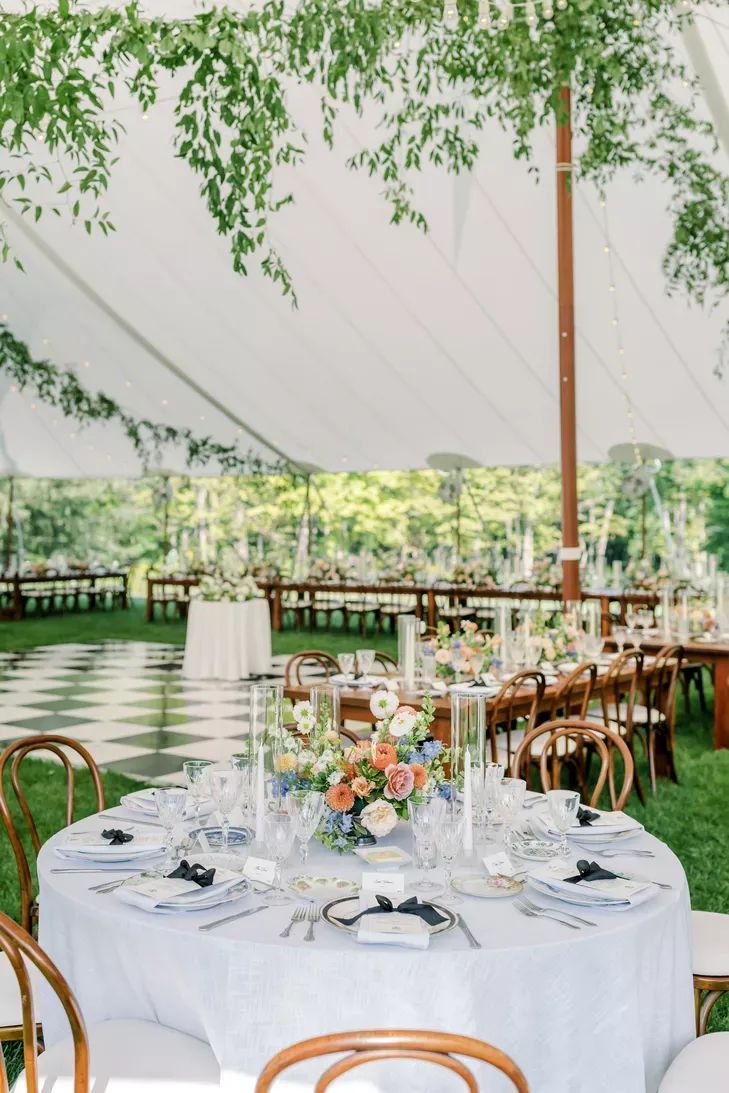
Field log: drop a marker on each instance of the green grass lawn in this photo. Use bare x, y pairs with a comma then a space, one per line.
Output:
692, 817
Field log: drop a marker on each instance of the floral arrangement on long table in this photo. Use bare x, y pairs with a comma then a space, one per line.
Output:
220, 586
464, 652
553, 640
366, 786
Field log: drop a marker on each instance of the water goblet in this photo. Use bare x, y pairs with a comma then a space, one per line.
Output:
365, 661
278, 833
592, 646
171, 804
449, 840
246, 767
563, 805
425, 816
196, 775
620, 633
225, 790
477, 663
305, 807
634, 637
346, 663
510, 800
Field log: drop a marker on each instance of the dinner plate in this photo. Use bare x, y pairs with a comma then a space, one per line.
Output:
530, 848
349, 907
237, 836
365, 681
577, 899
312, 887
483, 887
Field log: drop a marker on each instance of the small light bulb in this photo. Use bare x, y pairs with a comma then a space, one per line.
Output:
561, 5
606, 249
530, 13
13, 388
450, 14
507, 12
87, 364
614, 322
164, 401
484, 14
547, 9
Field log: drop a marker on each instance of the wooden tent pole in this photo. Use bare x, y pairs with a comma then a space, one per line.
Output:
570, 553
9, 524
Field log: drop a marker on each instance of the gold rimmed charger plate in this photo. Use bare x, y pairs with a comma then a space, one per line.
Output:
348, 907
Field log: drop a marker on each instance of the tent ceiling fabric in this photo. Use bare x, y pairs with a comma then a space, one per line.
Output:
403, 344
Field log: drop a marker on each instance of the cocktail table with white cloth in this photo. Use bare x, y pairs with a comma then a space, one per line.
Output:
596, 1010
227, 640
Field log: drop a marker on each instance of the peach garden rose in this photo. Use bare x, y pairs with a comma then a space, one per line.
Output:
400, 781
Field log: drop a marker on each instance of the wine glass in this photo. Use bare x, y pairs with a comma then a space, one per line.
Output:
592, 646
449, 840
196, 774
346, 663
477, 663
425, 817
246, 767
563, 805
510, 799
427, 662
278, 833
171, 804
305, 807
493, 774
225, 790
620, 634
365, 661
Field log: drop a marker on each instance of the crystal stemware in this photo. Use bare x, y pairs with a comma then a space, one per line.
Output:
425, 817
563, 805
510, 800
592, 646
346, 663
278, 833
365, 661
196, 775
305, 807
171, 804
225, 790
449, 840
620, 634
246, 767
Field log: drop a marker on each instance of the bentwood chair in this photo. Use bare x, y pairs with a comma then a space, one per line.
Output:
573, 694
437, 1048
701, 1067
311, 663
710, 947
582, 734
386, 662
519, 698
618, 698
115, 1056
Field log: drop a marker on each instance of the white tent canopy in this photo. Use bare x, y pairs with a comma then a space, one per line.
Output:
403, 344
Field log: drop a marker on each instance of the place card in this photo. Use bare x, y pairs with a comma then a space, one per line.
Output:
383, 884
499, 865
260, 869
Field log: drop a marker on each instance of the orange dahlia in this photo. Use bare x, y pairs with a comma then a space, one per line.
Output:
384, 755
420, 774
339, 798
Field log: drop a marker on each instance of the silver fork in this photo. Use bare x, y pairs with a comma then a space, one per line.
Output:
627, 853
313, 915
540, 914
565, 914
299, 915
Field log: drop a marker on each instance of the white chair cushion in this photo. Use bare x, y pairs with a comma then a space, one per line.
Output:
702, 1066
710, 936
640, 713
563, 744
10, 1010
132, 1057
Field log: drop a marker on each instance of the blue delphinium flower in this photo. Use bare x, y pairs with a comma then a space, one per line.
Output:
430, 749
445, 790
346, 822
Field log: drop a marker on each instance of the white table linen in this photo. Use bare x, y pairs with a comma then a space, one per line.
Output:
596, 1011
227, 640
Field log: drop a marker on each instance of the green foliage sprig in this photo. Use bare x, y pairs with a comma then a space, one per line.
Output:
431, 90
60, 387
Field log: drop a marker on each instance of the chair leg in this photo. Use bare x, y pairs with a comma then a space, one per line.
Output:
699, 678
686, 697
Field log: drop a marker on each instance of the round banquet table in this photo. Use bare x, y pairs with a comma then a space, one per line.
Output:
227, 640
599, 1010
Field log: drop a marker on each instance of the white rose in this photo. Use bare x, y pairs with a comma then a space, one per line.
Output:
379, 818
306, 757
335, 777
302, 710
402, 724
384, 704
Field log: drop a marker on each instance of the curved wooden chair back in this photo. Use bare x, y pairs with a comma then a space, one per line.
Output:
388, 663
569, 695
662, 683
310, 658
10, 761
22, 950
438, 1048
586, 734
619, 688
509, 704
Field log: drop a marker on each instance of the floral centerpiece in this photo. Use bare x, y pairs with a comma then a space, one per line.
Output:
547, 574
322, 569
551, 641
643, 576
466, 652
228, 587
366, 786
475, 573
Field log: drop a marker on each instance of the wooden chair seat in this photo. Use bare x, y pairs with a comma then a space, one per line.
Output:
701, 1067
564, 745
131, 1054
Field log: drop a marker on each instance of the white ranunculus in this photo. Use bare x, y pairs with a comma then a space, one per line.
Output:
335, 777
379, 818
402, 724
302, 710
384, 704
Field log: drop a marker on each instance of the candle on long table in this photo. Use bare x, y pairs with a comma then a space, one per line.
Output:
467, 805
260, 794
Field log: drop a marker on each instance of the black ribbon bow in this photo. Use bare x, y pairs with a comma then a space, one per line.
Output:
590, 871
116, 836
197, 873
411, 906
585, 816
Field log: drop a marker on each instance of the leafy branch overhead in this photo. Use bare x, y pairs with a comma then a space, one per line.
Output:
434, 90
60, 387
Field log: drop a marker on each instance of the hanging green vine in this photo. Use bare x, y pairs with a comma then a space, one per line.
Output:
433, 89
60, 388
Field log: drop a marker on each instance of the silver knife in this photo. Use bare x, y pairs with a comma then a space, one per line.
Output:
471, 939
136, 820
100, 870
231, 918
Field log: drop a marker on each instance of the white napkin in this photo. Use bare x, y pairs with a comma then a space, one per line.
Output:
150, 892
390, 928
92, 843
607, 824
143, 801
616, 893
